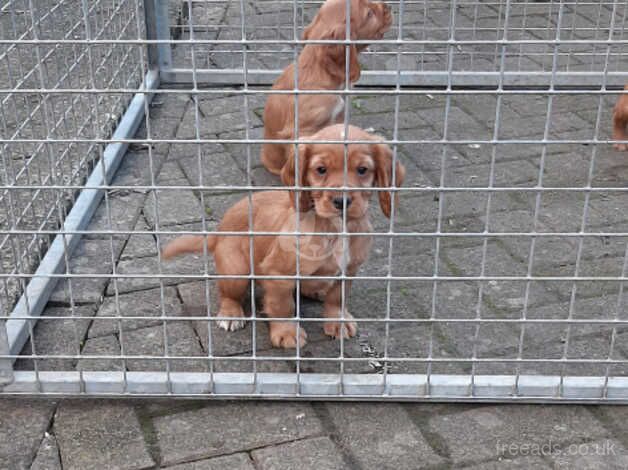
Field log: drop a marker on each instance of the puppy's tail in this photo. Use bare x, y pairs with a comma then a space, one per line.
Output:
188, 244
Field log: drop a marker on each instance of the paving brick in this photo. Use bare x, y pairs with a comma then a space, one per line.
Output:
606, 453
216, 116
171, 270
358, 430
182, 341
163, 127
523, 463
609, 210
140, 245
559, 211
461, 125
90, 257
235, 427
412, 214
47, 457
318, 452
262, 177
100, 434
551, 254
168, 106
242, 151
232, 462
102, 346
484, 433
602, 266
181, 150
57, 336
223, 343
23, 423
171, 174
229, 174
533, 127
122, 213
497, 262
135, 168
462, 211
143, 303
174, 206
505, 174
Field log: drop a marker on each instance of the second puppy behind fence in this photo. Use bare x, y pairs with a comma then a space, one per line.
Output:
320, 67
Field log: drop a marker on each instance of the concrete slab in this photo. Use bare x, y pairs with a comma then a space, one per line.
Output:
22, 427
235, 426
99, 434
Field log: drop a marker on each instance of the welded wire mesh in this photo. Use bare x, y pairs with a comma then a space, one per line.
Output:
500, 273
32, 60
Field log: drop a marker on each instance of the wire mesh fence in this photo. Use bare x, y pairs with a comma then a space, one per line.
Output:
496, 273
32, 60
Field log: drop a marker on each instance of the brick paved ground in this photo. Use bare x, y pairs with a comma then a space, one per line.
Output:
259, 435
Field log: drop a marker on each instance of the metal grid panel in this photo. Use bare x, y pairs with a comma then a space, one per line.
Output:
485, 284
517, 40
26, 113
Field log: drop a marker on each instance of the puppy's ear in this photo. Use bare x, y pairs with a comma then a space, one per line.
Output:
317, 29
289, 171
384, 175
310, 31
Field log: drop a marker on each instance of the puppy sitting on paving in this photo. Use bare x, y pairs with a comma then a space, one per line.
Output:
320, 165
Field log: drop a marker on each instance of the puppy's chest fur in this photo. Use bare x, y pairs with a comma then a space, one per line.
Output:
339, 254
338, 110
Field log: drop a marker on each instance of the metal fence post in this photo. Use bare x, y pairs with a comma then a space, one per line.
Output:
157, 28
6, 368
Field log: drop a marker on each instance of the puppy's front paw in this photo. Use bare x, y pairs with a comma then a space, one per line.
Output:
230, 325
337, 329
230, 308
620, 147
286, 334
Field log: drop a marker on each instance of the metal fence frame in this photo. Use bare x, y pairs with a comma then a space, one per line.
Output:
430, 387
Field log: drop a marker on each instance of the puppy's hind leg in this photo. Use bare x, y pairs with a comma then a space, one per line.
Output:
231, 291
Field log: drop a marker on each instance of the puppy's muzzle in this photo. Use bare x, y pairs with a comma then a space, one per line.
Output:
337, 201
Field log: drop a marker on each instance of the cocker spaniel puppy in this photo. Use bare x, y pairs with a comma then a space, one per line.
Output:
320, 67
321, 166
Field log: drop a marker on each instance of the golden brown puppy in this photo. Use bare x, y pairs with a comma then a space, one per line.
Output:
320, 210
320, 67
620, 120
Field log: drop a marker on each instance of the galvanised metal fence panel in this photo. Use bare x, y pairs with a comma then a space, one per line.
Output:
499, 276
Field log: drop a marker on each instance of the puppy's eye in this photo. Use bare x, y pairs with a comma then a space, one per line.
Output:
362, 170
370, 13
321, 170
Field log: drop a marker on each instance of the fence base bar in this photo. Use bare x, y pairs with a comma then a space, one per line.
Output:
583, 80
39, 289
487, 388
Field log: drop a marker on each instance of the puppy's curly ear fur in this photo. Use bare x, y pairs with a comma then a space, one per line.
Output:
335, 54
288, 173
384, 175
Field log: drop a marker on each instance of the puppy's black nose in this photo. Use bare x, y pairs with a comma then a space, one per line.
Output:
338, 203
